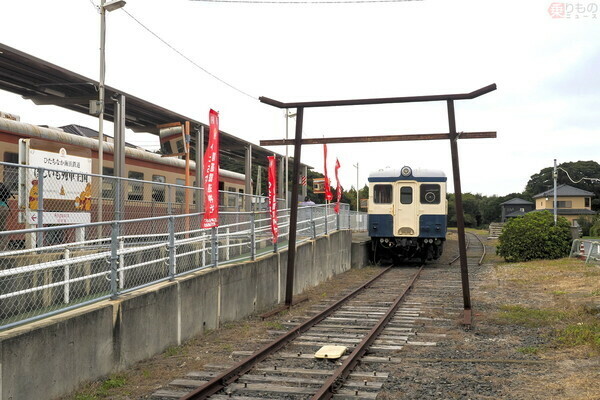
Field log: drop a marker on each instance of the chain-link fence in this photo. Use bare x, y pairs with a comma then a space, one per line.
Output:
69, 239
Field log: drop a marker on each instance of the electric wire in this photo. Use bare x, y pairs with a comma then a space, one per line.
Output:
180, 53
582, 179
187, 58
304, 1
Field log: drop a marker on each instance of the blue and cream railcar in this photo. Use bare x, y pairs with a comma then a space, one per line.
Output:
407, 213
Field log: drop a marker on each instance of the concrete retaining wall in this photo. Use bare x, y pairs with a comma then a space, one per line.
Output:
53, 357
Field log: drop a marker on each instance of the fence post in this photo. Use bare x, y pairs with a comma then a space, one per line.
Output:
67, 277
214, 247
114, 259
121, 264
326, 218
252, 236
171, 245
227, 243
40, 209
313, 224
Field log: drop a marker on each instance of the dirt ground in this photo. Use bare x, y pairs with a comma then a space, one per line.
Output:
536, 335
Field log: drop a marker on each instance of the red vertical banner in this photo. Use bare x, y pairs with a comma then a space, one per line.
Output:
336, 208
211, 174
273, 197
328, 195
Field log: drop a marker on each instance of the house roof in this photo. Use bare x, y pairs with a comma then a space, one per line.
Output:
515, 214
91, 133
516, 200
565, 190
570, 211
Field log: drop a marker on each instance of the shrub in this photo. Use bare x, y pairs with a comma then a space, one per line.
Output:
534, 236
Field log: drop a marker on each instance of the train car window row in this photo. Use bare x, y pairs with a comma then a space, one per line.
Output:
382, 194
430, 194
406, 195
158, 191
136, 190
108, 185
10, 175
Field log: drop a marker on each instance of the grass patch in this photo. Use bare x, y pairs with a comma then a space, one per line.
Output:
596, 292
174, 351
582, 333
559, 292
532, 350
275, 325
519, 315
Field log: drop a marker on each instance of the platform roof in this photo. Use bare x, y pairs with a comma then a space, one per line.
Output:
48, 84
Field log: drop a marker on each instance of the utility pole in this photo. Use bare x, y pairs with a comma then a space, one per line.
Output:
555, 176
357, 197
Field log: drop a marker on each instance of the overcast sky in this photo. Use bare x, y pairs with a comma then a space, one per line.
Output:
547, 70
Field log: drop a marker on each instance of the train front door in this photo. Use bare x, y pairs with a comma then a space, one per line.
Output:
406, 222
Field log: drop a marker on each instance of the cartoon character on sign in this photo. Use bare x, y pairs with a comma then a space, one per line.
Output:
33, 195
83, 202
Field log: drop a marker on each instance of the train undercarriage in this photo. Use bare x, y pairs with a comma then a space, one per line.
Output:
402, 249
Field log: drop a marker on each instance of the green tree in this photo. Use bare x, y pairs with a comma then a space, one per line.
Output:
534, 236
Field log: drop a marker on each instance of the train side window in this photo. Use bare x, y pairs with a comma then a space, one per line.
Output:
10, 175
136, 189
406, 195
179, 191
430, 194
108, 184
382, 194
221, 193
158, 191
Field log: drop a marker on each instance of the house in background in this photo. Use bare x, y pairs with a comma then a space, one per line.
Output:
572, 203
515, 208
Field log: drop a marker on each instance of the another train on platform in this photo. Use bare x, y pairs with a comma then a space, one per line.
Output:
142, 199
407, 214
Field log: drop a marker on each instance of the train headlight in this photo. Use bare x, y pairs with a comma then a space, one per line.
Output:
406, 171
430, 197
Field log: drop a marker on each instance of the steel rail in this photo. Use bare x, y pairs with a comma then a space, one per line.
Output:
468, 243
327, 390
458, 256
232, 374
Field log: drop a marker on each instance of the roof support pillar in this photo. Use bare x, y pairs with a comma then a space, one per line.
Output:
248, 172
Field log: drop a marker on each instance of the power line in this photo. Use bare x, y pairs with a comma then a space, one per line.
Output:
582, 179
187, 58
304, 1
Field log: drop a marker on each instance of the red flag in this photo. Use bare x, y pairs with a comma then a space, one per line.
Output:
272, 197
336, 208
328, 195
211, 174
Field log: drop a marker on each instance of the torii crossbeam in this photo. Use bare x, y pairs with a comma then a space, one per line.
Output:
452, 135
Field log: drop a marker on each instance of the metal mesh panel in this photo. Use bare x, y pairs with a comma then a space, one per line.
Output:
70, 238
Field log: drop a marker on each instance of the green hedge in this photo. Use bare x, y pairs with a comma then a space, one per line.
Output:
534, 237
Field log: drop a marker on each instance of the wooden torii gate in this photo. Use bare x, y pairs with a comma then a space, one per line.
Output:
453, 136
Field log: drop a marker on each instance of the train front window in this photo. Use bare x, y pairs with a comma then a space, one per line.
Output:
382, 194
406, 195
430, 194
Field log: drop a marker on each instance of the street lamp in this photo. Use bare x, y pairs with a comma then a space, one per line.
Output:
111, 6
288, 115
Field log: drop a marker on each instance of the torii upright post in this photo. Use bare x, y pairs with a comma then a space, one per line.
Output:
452, 135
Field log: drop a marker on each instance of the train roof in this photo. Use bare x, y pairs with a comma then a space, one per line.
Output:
23, 129
416, 174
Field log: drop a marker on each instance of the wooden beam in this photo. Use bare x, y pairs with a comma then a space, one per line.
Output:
387, 138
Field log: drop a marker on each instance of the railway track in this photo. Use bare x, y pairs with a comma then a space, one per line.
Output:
404, 306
